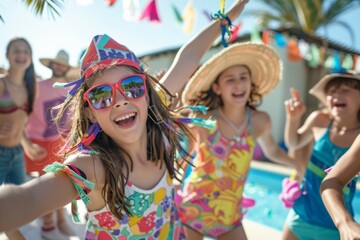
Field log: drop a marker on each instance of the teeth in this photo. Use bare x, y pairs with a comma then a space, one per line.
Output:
125, 117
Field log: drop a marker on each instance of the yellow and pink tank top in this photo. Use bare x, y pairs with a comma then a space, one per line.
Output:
212, 190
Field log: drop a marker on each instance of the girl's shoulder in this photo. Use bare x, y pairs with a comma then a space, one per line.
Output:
89, 164
319, 118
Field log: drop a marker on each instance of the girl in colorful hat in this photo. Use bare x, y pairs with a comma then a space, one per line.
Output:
119, 155
333, 131
347, 167
231, 84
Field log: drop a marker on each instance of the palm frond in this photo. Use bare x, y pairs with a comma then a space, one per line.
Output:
52, 6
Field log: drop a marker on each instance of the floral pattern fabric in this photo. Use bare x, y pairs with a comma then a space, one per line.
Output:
152, 215
212, 193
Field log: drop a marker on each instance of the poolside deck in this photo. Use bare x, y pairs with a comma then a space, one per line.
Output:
254, 230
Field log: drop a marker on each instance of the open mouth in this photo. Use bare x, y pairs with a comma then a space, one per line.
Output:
126, 120
339, 105
239, 95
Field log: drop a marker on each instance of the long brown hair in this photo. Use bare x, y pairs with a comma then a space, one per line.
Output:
113, 155
29, 76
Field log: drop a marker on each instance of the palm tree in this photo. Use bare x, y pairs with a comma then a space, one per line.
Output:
39, 6
307, 15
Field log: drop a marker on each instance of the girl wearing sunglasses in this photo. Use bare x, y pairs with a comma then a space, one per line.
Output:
119, 155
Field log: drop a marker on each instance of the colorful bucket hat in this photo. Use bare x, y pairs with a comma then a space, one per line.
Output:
262, 60
319, 89
102, 52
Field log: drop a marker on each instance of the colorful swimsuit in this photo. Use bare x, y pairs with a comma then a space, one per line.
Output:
309, 211
153, 215
7, 104
212, 191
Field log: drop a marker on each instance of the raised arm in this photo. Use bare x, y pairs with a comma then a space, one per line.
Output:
331, 191
295, 109
263, 126
188, 57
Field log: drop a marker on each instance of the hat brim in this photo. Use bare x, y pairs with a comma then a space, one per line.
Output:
262, 60
319, 89
47, 61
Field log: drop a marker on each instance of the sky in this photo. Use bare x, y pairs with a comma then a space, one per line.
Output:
76, 26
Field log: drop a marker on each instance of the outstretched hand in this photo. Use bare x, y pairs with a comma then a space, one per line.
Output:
294, 107
236, 8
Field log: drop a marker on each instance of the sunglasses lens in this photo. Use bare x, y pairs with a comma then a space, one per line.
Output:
101, 97
133, 87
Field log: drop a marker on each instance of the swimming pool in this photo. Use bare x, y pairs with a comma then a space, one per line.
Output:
265, 187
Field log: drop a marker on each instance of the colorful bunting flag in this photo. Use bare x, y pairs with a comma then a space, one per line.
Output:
280, 40
189, 17
293, 52
235, 32
150, 12
314, 60
131, 10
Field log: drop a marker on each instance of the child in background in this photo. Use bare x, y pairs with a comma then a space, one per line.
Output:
333, 131
231, 84
17, 93
332, 187
121, 148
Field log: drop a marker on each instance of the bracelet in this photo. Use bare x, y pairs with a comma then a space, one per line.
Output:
225, 27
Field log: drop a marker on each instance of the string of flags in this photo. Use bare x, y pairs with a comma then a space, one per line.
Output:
297, 49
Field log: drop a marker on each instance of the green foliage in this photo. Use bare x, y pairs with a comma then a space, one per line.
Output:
38, 6
307, 15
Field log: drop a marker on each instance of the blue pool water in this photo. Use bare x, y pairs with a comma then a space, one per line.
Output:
265, 188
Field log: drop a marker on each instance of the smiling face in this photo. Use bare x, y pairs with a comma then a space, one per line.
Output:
125, 120
19, 55
343, 100
234, 85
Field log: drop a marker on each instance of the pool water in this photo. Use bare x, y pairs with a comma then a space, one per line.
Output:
265, 187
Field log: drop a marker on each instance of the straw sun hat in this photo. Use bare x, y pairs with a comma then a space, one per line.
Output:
262, 60
319, 89
61, 57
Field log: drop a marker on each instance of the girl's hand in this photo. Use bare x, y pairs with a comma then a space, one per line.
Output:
295, 109
349, 231
35, 152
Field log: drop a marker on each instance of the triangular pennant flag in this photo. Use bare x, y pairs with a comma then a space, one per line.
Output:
280, 40
329, 62
314, 60
347, 62
266, 37
150, 12
110, 2
235, 32
293, 52
207, 15
304, 49
131, 10
255, 35
337, 61
356, 61
177, 14
189, 17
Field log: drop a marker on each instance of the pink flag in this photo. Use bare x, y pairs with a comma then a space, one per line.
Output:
150, 12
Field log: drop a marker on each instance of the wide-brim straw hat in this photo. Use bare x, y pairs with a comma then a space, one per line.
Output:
262, 60
319, 89
61, 58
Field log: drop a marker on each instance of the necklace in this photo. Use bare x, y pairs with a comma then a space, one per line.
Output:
237, 137
344, 129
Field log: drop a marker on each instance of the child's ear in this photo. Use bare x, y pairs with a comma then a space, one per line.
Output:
215, 87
